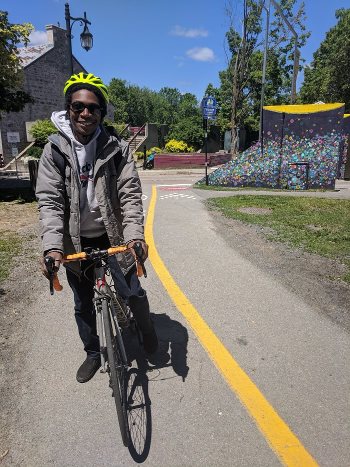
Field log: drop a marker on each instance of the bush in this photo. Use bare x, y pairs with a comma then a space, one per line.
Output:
155, 149
178, 146
34, 152
41, 130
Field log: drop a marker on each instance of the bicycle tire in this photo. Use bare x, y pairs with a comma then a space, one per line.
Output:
117, 370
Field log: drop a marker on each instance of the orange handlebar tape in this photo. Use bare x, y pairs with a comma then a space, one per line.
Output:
139, 270
56, 284
75, 257
117, 249
82, 255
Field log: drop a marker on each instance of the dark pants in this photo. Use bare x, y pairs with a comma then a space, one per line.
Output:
83, 291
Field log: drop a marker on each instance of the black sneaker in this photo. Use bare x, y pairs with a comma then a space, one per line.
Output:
150, 341
87, 369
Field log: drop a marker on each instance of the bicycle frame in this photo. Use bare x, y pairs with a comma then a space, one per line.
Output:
103, 292
111, 318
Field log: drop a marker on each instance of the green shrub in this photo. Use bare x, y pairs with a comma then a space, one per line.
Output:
178, 146
34, 152
41, 130
139, 155
120, 127
155, 149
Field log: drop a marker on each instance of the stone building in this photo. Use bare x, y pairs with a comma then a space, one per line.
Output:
46, 68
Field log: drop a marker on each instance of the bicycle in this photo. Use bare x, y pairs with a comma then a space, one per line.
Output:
112, 317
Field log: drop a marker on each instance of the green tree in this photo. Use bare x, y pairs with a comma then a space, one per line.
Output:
188, 125
12, 96
327, 78
136, 106
118, 94
239, 94
282, 43
170, 99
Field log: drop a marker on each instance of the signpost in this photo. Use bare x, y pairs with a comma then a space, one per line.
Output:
209, 107
13, 138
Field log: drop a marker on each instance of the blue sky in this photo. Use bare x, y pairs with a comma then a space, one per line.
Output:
156, 43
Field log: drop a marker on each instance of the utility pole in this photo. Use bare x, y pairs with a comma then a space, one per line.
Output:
296, 51
263, 79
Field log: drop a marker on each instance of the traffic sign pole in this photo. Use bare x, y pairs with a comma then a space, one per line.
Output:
206, 151
209, 108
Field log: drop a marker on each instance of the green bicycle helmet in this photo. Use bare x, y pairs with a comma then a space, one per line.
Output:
87, 78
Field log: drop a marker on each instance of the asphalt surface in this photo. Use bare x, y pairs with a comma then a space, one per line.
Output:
296, 357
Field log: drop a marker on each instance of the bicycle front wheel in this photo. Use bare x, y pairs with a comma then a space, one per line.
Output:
117, 368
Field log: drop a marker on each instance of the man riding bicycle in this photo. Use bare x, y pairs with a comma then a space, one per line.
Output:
89, 195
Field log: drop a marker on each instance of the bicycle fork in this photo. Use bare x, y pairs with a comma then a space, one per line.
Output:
101, 334
102, 337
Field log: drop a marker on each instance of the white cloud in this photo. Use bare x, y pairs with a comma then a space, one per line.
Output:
38, 38
183, 32
201, 54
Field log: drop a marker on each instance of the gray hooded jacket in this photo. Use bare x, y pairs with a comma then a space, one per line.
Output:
117, 189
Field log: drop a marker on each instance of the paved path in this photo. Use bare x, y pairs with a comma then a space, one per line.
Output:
295, 357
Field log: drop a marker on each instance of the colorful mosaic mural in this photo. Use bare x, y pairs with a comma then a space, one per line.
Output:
301, 149
344, 148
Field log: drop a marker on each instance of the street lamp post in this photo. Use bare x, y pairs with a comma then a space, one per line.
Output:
86, 38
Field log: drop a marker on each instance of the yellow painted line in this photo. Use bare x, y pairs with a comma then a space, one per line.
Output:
279, 436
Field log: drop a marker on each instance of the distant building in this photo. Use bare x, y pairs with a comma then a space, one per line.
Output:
46, 69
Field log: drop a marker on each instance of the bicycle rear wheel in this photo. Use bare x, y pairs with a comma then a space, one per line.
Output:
117, 368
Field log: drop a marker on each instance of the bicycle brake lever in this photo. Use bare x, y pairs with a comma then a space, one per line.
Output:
50, 264
139, 253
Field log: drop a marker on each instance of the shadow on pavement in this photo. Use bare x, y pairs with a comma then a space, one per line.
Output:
172, 352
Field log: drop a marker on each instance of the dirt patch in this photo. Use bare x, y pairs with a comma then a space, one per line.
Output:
15, 295
17, 216
313, 278
254, 210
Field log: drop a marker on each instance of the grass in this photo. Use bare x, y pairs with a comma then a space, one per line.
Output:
10, 246
320, 226
14, 216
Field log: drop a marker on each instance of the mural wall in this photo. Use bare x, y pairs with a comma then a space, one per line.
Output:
344, 169
300, 150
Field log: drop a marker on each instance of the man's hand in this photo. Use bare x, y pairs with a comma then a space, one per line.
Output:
144, 248
57, 256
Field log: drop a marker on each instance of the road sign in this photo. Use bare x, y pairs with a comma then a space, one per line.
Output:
209, 107
13, 137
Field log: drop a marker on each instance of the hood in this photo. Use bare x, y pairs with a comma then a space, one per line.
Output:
62, 123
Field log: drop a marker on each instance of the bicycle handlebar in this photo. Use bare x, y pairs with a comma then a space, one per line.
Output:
92, 254
52, 271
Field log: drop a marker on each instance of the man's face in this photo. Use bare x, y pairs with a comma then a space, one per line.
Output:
84, 120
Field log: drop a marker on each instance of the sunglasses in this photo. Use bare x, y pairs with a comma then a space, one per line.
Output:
79, 107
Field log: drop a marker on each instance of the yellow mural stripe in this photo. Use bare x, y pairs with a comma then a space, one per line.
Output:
281, 439
303, 108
